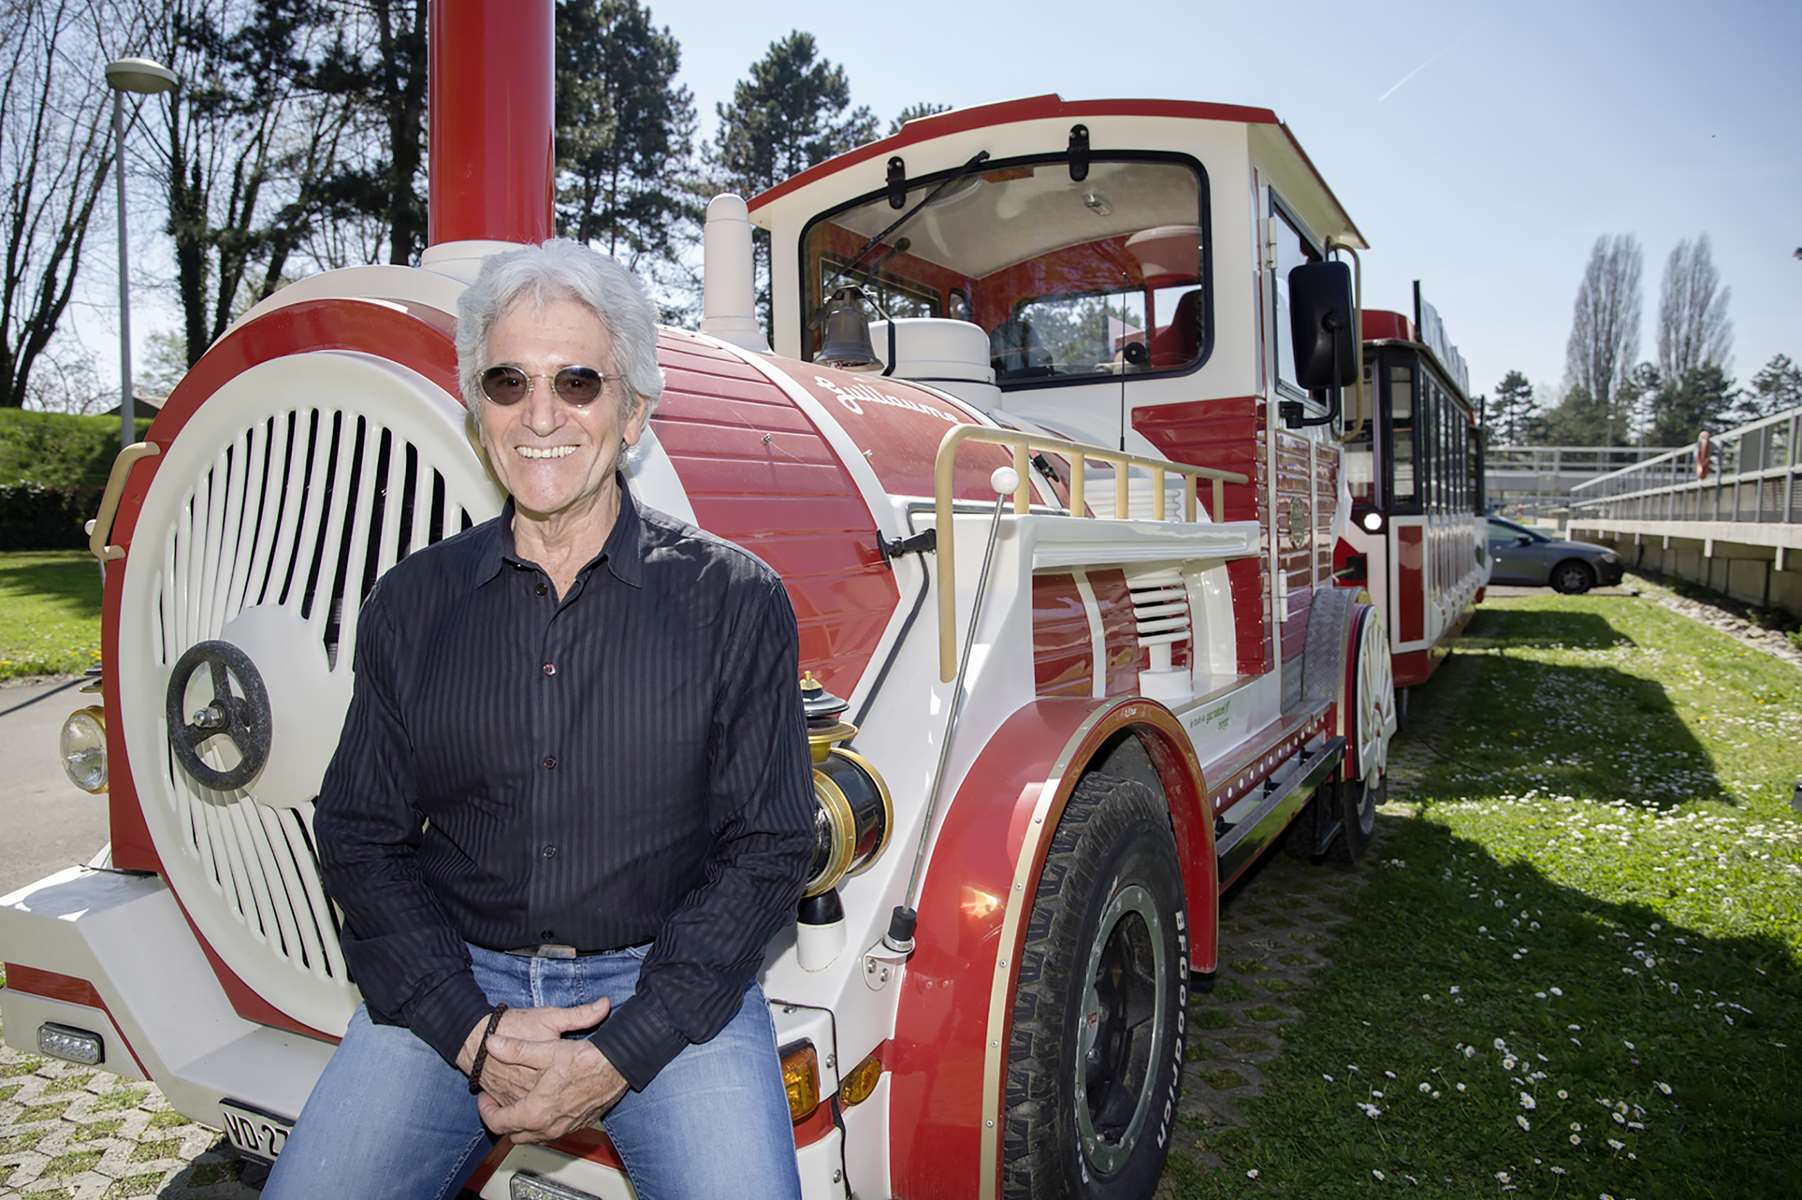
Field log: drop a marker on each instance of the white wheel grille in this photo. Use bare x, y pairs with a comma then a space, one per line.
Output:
283, 499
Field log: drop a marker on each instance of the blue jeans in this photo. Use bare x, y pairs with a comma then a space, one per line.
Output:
390, 1119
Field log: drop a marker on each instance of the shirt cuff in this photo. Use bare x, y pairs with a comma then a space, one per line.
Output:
638, 1040
443, 1017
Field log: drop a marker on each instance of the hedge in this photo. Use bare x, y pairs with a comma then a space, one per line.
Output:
57, 449
35, 517
53, 467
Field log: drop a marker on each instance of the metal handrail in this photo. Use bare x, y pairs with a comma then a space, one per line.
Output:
109, 499
1024, 445
1757, 451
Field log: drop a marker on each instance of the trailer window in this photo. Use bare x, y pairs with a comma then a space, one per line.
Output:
1360, 442
1063, 275
1405, 490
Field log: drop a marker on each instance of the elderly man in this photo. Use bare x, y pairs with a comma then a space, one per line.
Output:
571, 803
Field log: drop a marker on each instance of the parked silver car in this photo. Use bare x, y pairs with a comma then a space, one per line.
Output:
1529, 558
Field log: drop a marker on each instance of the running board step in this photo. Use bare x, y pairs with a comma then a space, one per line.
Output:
1248, 830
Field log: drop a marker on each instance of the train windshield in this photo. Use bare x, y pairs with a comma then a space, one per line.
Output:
1071, 279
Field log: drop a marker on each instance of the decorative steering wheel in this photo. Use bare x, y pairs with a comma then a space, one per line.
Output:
244, 720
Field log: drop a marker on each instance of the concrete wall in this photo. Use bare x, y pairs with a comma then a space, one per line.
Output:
1746, 573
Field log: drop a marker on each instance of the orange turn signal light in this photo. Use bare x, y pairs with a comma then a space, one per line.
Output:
856, 1087
801, 1078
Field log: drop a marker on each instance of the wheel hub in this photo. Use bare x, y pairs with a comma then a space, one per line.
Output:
1120, 1029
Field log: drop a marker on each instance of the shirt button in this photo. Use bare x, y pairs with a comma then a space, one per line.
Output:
550, 668
549, 852
550, 761
541, 589
548, 935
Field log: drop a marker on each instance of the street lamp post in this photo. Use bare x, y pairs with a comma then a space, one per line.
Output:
144, 77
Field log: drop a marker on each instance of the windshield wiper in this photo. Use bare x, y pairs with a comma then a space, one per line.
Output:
963, 172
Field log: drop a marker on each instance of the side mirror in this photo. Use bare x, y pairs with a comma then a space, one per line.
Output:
1320, 325
1321, 332
1523, 540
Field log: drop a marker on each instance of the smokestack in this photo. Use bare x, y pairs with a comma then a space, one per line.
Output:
728, 295
491, 119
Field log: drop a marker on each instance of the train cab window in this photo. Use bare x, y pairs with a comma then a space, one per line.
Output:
1063, 275
1404, 489
895, 296
1292, 250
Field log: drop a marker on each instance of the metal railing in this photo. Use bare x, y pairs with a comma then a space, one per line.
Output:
1024, 446
1752, 474
1566, 460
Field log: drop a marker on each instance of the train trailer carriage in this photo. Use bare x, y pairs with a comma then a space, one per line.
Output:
1061, 550
1414, 457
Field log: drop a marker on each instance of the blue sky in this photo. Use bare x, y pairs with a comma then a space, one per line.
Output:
1481, 148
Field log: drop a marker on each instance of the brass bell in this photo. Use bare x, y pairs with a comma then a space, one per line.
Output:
847, 341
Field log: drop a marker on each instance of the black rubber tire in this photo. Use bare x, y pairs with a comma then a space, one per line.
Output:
1572, 577
1358, 812
1114, 837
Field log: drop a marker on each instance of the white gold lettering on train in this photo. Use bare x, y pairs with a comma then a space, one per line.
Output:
858, 394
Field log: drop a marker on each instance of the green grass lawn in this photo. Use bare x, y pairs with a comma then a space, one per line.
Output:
1577, 967
49, 613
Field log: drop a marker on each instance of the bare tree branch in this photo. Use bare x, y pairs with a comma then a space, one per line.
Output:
54, 164
1604, 335
1693, 329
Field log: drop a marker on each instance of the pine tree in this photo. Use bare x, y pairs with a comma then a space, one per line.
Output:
625, 139
1577, 420
914, 112
793, 111
1640, 393
1777, 387
1701, 398
1513, 409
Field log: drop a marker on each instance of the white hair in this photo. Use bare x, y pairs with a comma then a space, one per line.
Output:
561, 269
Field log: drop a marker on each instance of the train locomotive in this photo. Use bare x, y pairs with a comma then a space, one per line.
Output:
1051, 469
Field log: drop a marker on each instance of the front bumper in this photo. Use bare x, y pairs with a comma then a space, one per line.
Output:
111, 954
1608, 573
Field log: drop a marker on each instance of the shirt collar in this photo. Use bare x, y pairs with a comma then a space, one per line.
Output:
623, 551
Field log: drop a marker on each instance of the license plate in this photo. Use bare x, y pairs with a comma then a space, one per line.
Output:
253, 1132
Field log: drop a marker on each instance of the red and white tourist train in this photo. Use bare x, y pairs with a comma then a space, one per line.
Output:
1064, 544
1414, 461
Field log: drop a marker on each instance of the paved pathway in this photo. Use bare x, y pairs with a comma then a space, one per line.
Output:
49, 823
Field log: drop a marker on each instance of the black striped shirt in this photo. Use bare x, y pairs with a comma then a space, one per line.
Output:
628, 764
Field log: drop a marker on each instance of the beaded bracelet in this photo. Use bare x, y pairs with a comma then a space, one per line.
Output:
475, 1070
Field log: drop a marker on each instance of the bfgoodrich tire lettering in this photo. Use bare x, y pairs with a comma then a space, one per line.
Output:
1095, 1055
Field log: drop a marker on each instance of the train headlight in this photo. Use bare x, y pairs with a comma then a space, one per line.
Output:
82, 745
856, 814
1373, 521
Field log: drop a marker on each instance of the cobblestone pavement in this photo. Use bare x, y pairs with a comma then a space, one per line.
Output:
74, 1134
1274, 929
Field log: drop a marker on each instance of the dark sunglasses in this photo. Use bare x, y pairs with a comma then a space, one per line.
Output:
574, 385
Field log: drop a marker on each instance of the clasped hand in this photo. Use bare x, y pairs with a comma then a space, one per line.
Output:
537, 1085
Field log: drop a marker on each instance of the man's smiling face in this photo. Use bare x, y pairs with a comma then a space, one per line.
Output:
553, 457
